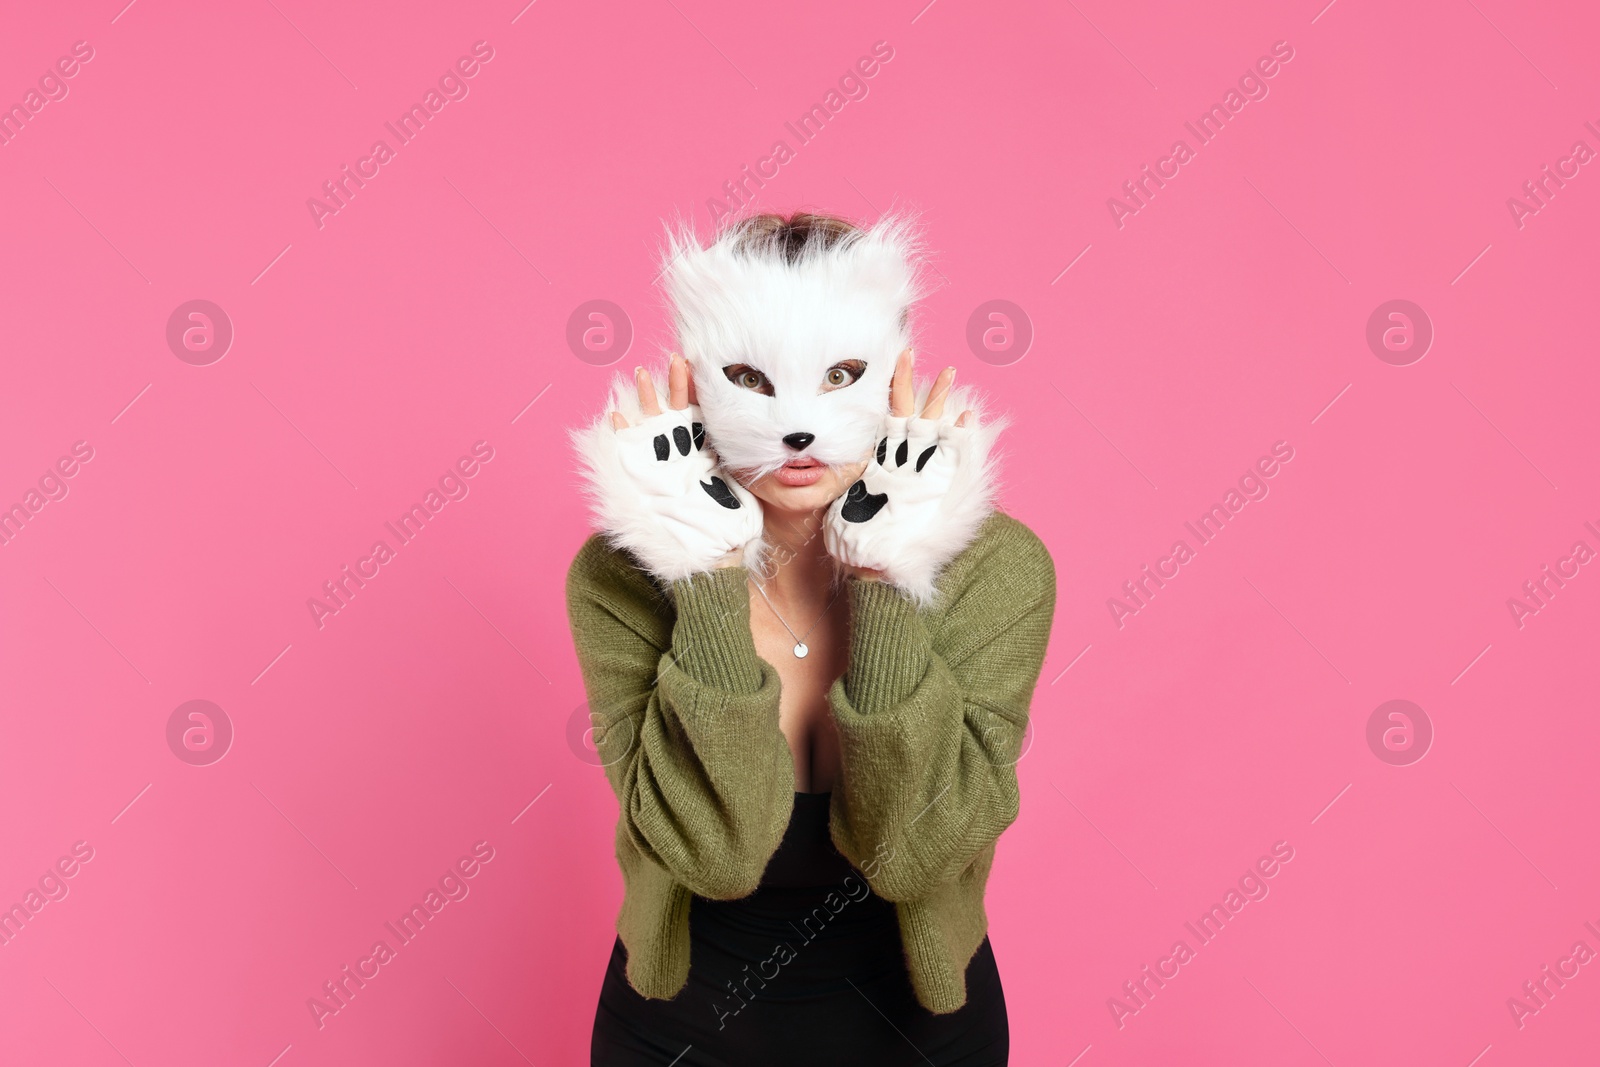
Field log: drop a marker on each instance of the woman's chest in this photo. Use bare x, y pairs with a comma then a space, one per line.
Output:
803, 713
806, 668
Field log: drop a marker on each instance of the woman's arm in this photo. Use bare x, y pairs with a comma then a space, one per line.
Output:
686, 719
930, 724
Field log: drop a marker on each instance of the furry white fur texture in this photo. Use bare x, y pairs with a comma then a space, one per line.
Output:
792, 321
657, 492
927, 488
793, 318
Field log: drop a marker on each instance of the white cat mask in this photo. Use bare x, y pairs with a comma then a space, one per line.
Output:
792, 313
796, 313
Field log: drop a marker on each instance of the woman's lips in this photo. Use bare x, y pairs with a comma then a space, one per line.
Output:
798, 472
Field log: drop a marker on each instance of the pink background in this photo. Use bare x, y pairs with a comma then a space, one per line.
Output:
1229, 313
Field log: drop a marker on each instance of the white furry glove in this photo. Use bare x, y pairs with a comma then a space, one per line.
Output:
657, 492
920, 501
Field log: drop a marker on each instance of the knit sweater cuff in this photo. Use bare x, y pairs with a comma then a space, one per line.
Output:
889, 647
711, 641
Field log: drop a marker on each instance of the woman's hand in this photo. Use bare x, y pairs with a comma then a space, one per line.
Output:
658, 489
680, 391
898, 500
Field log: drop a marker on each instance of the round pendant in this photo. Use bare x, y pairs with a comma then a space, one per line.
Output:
800, 650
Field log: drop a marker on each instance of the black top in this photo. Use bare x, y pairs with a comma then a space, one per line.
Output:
807, 970
806, 857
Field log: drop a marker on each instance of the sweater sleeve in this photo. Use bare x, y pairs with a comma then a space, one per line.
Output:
930, 729
685, 715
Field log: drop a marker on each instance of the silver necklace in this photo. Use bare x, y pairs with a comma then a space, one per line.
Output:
801, 649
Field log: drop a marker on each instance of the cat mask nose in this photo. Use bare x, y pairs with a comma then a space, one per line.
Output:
799, 441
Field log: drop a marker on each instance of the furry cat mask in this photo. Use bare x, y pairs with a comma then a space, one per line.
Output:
813, 316
791, 312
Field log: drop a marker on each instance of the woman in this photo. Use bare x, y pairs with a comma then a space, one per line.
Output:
809, 645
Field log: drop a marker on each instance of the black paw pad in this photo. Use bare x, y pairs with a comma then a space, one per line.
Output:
718, 490
699, 429
860, 505
922, 460
901, 453
680, 437
883, 450
663, 450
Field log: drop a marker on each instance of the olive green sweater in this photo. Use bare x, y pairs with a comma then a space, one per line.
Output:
930, 714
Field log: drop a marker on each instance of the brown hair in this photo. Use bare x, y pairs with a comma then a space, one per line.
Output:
791, 234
